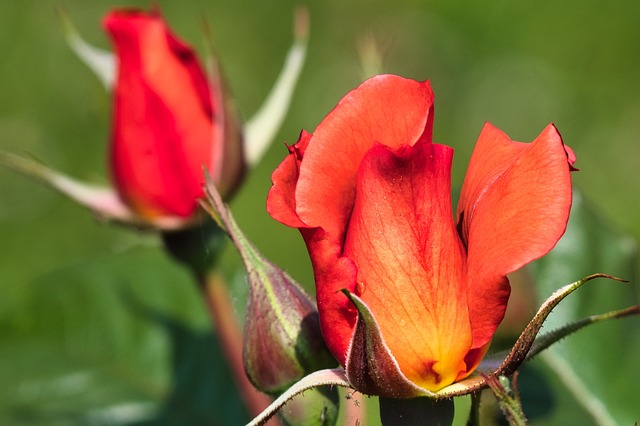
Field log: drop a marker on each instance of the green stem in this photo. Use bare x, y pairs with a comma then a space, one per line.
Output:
354, 407
199, 249
508, 399
474, 414
229, 332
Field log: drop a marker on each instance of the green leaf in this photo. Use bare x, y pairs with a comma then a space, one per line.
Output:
114, 340
595, 370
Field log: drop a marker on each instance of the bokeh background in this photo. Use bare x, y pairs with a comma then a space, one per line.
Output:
98, 327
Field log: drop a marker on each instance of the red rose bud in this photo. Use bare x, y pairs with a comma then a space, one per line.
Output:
408, 297
169, 119
282, 337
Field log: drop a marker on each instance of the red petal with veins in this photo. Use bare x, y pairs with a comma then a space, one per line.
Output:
513, 209
411, 262
385, 109
370, 195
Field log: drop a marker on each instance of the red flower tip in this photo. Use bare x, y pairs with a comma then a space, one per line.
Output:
168, 120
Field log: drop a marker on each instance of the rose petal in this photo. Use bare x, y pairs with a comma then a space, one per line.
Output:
162, 122
387, 109
513, 208
333, 274
371, 367
281, 201
411, 262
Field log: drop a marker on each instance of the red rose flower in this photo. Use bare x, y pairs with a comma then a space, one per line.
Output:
370, 193
169, 120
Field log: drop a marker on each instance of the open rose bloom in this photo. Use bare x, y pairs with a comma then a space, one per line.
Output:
371, 194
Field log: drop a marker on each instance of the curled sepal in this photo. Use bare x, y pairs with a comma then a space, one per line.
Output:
329, 377
282, 338
100, 61
526, 346
262, 127
103, 201
524, 343
370, 366
543, 341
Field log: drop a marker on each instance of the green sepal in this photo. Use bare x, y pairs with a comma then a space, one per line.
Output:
499, 364
101, 62
282, 337
370, 366
103, 201
328, 377
523, 345
260, 129
545, 340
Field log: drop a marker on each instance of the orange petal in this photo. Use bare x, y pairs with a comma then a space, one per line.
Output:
371, 367
387, 109
411, 262
333, 273
513, 209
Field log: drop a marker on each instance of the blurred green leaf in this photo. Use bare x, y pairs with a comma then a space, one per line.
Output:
115, 340
595, 370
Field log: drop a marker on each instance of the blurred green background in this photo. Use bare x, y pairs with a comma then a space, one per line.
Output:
98, 327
